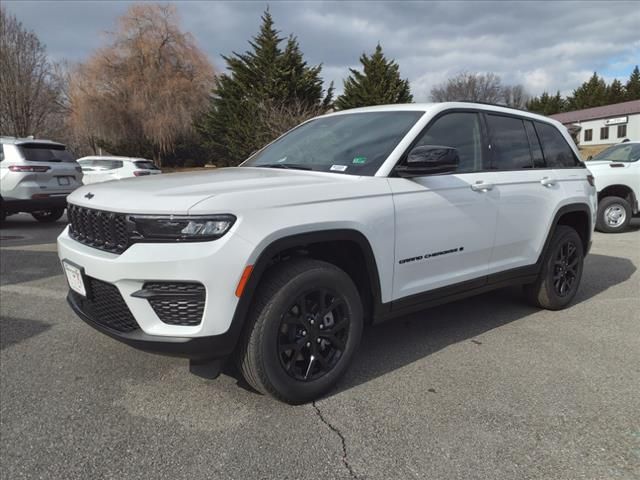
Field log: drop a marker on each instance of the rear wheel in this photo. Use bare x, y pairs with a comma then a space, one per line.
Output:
48, 216
614, 214
561, 272
302, 332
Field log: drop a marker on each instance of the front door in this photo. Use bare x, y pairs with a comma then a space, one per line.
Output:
445, 224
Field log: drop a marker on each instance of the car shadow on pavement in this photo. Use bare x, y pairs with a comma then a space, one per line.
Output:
402, 341
16, 330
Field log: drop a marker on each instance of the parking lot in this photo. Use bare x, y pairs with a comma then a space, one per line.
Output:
486, 388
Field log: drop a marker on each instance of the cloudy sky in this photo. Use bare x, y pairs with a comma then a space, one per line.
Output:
544, 45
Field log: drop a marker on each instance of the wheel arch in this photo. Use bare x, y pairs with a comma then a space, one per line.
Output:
348, 249
576, 216
622, 191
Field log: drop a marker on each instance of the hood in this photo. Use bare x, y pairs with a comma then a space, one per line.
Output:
176, 193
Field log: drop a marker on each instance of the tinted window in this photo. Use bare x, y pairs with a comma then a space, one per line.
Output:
352, 143
509, 143
459, 130
1, 152
534, 141
145, 165
557, 152
41, 152
625, 152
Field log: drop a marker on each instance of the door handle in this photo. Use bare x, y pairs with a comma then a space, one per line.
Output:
547, 182
481, 187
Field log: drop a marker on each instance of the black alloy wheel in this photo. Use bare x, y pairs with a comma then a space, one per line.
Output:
566, 268
313, 334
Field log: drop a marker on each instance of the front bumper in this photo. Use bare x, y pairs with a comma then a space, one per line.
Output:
199, 348
218, 265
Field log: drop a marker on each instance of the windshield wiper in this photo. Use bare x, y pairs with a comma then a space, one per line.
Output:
292, 166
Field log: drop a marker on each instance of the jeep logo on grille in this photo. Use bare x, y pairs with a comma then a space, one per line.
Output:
89, 195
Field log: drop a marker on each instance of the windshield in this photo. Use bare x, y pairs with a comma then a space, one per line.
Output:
355, 143
43, 152
625, 152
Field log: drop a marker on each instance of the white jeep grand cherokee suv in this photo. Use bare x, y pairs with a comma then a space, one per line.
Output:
351, 218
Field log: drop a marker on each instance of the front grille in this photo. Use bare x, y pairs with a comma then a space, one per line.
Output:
176, 303
105, 306
99, 229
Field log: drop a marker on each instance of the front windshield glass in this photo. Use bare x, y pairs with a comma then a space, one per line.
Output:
353, 143
624, 152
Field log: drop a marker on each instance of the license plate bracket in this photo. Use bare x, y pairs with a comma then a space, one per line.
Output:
75, 277
63, 181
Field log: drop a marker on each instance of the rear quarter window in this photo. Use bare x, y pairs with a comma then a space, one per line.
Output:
557, 152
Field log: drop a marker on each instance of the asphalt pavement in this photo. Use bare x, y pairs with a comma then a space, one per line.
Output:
485, 388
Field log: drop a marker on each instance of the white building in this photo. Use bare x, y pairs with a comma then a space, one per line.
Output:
603, 125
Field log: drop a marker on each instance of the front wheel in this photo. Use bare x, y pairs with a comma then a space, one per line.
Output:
561, 271
303, 329
614, 214
48, 216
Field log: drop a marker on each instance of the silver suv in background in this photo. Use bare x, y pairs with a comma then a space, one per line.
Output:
35, 177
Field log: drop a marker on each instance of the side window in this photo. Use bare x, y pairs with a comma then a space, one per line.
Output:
460, 130
509, 143
1, 152
117, 164
557, 152
534, 142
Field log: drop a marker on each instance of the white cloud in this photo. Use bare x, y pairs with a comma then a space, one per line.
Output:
543, 45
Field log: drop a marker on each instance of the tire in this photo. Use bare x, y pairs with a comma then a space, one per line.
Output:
614, 215
562, 266
282, 316
48, 216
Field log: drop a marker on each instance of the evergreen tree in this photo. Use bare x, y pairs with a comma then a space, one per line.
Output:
632, 89
592, 93
546, 104
259, 82
379, 83
615, 92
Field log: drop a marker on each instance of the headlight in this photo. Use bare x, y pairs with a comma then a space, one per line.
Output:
181, 228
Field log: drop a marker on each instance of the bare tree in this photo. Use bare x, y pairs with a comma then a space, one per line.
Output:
479, 87
28, 88
142, 92
280, 117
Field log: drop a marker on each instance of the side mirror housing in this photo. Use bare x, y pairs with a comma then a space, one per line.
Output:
589, 157
428, 160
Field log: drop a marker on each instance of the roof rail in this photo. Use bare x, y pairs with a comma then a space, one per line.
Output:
494, 105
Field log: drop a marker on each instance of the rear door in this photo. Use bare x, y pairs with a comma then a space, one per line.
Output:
527, 189
445, 223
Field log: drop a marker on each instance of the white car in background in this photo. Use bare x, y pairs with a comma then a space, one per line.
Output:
617, 177
103, 169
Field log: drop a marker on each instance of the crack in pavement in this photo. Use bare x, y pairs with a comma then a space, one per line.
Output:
345, 460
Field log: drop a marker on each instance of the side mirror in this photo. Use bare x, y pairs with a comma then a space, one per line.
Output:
589, 157
429, 159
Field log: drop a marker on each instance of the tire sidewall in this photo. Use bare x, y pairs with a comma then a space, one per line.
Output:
602, 207
331, 279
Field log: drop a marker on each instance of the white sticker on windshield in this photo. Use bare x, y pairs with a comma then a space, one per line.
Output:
338, 168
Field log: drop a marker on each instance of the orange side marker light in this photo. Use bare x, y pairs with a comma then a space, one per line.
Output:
243, 280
